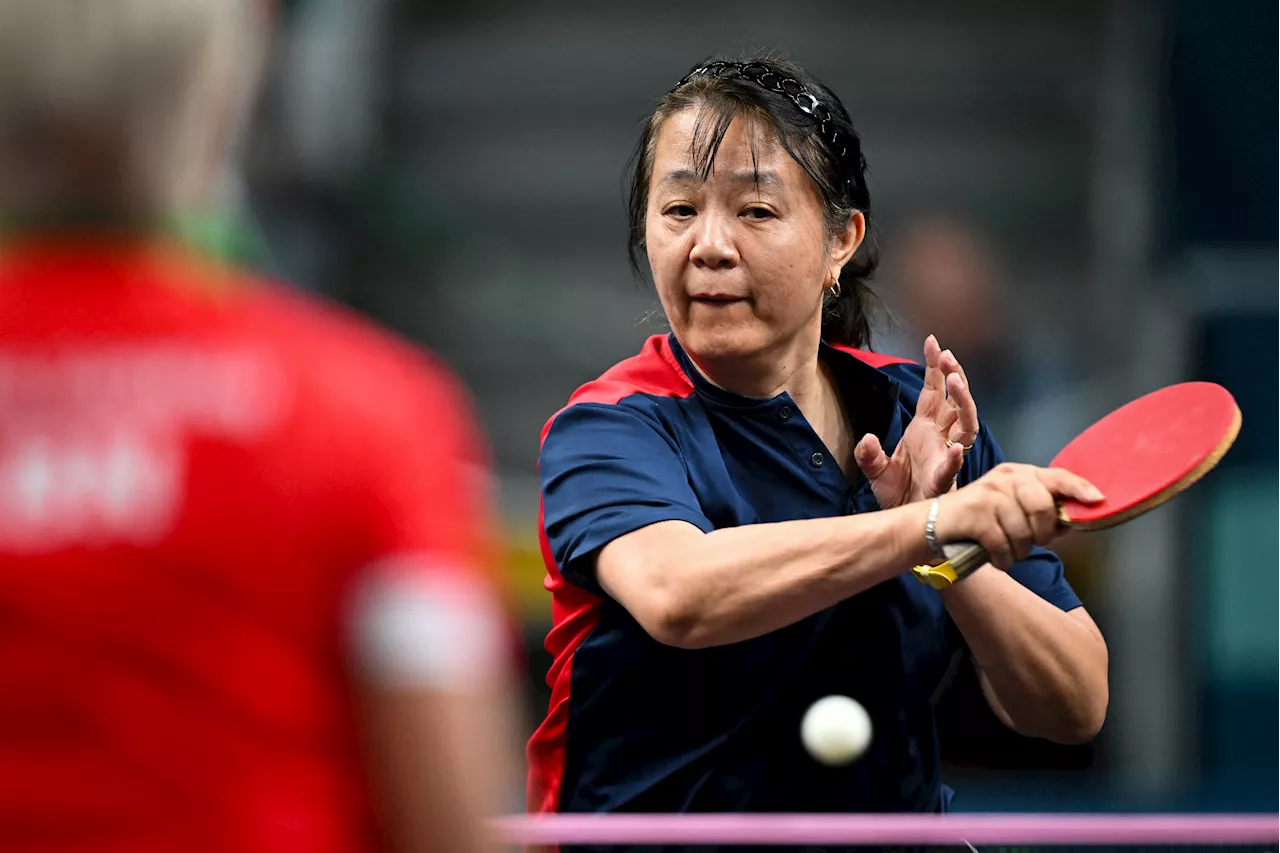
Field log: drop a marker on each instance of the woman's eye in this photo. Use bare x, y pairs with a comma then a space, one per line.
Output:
758, 213
680, 211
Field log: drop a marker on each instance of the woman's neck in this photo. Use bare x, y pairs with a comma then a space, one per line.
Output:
762, 381
805, 378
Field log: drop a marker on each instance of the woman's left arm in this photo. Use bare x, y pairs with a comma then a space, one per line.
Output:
1043, 670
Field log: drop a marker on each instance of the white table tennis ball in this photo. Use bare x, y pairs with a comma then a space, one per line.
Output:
836, 730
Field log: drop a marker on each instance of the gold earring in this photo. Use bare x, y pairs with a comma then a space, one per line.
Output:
835, 289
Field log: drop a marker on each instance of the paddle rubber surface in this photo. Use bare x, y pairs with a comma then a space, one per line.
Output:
1149, 450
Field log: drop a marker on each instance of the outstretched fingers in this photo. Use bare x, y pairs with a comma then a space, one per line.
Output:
933, 394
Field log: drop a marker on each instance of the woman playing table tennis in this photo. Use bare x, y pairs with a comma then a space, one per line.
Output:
731, 516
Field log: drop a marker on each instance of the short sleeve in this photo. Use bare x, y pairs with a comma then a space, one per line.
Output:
608, 470
1041, 571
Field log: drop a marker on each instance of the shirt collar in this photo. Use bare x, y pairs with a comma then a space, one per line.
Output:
870, 396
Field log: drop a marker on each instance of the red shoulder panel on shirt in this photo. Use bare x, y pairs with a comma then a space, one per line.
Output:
654, 370
874, 359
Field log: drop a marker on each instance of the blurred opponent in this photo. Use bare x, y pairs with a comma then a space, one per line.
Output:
244, 603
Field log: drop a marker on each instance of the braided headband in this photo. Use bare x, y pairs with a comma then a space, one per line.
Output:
836, 140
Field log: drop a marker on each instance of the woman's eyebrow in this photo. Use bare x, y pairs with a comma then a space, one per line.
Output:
745, 176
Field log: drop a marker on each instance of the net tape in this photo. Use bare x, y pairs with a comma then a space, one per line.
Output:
892, 829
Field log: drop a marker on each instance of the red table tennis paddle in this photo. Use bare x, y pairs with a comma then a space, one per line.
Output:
1139, 456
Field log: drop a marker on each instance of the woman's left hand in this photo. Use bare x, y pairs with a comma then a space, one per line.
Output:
931, 451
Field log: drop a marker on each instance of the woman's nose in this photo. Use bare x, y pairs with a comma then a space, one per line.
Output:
714, 246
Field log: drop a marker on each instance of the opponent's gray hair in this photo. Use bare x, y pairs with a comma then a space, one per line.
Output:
129, 105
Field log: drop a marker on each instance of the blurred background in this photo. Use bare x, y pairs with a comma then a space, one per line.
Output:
1079, 198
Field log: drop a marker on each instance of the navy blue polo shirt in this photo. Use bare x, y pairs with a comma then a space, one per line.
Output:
634, 725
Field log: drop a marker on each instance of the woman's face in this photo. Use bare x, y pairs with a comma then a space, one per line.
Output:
740, 264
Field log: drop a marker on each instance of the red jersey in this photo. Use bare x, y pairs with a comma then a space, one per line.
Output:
197, 470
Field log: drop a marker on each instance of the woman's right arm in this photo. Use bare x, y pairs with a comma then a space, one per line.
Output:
693, 590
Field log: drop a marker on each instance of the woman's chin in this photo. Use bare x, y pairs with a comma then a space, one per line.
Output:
715, 344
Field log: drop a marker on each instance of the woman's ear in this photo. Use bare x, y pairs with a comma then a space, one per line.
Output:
847, 242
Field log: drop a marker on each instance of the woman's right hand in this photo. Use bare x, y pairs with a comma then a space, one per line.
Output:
1009, 509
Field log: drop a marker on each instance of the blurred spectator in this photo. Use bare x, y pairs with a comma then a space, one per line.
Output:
946, 278
946, 282
243, 536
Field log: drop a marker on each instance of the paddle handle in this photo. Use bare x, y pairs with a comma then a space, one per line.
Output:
961, 559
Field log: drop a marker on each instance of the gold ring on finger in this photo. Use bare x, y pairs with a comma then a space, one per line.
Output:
964, 447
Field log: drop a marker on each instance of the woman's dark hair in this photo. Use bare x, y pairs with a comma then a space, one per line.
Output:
812, 126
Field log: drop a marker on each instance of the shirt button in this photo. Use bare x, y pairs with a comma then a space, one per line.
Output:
816, 460
784, 414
